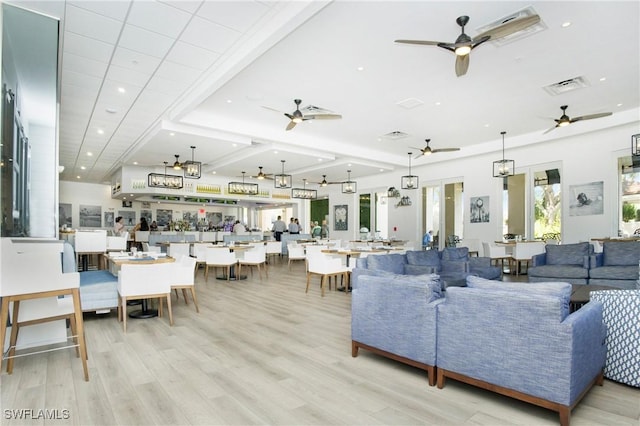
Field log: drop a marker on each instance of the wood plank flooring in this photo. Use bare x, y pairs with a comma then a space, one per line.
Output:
261, 352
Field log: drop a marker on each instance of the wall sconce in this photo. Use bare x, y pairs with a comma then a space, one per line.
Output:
242, 188
503, 168
409, 181
393, 193
349, 186
635, 141
192, 169
309, 194
282, 180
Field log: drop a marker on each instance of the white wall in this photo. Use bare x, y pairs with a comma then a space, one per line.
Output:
584, 158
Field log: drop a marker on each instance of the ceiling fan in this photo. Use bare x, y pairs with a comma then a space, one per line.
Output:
427, 150
324, 182
262, 175
564, 120
465, 44
298, 117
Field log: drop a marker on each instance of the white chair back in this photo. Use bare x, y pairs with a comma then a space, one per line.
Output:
91, 241
140, 280
526, 250
493, 251
315, 249
184, 271
322, 264
220, 256
274, 247
178, 249
296, 252
256, 255
118, 243
142, 236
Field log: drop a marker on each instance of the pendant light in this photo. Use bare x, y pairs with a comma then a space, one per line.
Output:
282, 180
503, 168
192, 169
349, 186
409, 181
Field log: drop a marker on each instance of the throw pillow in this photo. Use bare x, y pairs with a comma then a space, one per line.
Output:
619, 253
393, 263
423, 258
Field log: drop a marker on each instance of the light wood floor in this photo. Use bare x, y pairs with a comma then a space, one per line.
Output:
262, 352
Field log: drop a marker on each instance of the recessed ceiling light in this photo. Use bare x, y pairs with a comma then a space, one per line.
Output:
349, 165
89, 154
111, 110
360, 68
486, 125
213, 172
234, 144
275, 152
437, 103
172, 134
229, 101
78, 177
121, 90
619, 105
320, 159
603, 78
135, 163
382, 170
566, 24
83, 168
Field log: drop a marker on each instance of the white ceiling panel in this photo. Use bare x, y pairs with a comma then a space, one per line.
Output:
87, 47
126, 76
84, 65
169, 87
210, 36
238, 15
135, 61
92, 25
158, 17
187, 5
192, 56
131, 91
143, 41
85, 81
177, 72
112, 9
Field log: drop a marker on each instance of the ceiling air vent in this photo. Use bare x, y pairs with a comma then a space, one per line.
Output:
395, 135
410, 103
566, 86
529, 11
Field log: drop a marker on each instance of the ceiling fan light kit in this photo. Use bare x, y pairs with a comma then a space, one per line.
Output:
503, 168
349, 186
409, 181
177, 165
282, 180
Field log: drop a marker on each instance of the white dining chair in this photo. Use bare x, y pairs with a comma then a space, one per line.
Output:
219, 257
296, 252
144, 282
523, 252
496, 254
326, 267
184, 278
178, 249
255, 257
274, 249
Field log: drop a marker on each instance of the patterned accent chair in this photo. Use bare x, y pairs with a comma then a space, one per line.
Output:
565, 262
621, 315
617, 265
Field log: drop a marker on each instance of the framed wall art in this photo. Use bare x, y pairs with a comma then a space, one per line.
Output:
341, 217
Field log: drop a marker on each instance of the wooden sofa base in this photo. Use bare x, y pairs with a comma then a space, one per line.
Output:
430, 369
564, 411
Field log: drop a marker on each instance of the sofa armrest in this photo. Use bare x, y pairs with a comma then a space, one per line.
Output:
588, 346
454, 266
538, 259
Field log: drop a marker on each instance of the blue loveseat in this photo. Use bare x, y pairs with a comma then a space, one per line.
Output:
565, 262
617, 265
452, 265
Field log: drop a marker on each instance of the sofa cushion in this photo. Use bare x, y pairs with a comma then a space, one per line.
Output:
615, 272
431, 281
393, 263
358, 272
559, 272
621, 253
567, 254
455, 253
560, 290
420, 269
423, 258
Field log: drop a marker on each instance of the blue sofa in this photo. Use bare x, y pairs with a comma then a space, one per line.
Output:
395, 316
617, 265
565, 262
519, 340
452, 265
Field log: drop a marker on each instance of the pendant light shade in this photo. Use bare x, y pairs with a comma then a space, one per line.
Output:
192, 169
309, 194
349, 186
409, 181
503, 168
282, 180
